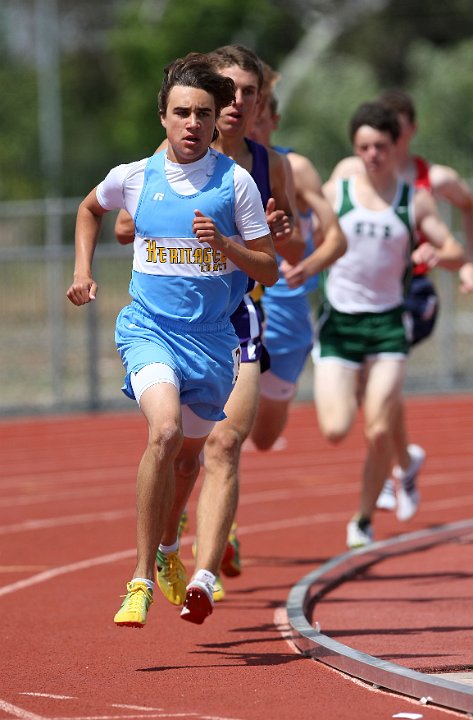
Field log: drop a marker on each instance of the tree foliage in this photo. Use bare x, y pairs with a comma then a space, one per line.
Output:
113, 54
385, 38
19, 162
148, 37
443, 89
316, 119
315, 122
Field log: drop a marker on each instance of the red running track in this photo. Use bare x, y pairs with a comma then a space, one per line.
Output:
67, 539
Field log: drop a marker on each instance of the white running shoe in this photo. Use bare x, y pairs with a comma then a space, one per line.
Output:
387, 497
408, 496
358, 537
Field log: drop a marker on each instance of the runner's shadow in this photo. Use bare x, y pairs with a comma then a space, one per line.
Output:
233, 660
405, 656
256, 659
370, 576
270, 636
436, 629
282, 561
229, 652
240, 593
327, 600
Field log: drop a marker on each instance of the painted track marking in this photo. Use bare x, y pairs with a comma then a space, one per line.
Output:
125, 554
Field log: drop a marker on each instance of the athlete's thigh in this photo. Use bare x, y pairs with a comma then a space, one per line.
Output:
384, 383
335, 390
243, 401
160, 404
271, 420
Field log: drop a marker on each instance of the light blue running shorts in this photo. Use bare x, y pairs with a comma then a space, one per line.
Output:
204, 357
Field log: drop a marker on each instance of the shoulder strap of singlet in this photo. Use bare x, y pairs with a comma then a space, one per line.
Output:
345, 201
422, 172
405, 212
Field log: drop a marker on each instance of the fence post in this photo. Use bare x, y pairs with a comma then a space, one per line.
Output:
53, 247
93, 375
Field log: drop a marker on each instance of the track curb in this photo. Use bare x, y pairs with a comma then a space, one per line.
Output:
313, 643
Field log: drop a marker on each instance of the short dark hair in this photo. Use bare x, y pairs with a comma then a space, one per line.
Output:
228, 55
399, 101
195, 70
376, 116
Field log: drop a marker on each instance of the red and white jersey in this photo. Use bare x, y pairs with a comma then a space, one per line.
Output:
422, 180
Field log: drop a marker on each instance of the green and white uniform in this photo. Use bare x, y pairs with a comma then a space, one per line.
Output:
362, 313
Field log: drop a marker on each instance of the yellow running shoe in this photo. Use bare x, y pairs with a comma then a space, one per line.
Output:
171, 577
219, 590
183, 523
231, 563
134, 607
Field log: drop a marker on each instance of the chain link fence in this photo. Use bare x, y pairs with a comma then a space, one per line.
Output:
55, 357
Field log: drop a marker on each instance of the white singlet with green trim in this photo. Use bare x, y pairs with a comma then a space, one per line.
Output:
370, 276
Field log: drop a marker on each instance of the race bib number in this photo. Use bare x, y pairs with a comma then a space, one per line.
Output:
236, 354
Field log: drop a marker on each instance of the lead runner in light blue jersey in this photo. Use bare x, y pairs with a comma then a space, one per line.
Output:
219, 491
200, 231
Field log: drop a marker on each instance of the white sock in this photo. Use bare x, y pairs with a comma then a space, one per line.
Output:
205, 577
166, 549
149, 583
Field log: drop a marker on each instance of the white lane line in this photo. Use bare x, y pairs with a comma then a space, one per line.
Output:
276, 525
131, 717
163, 715
111, 516
18, 712
23, 714
247, 499
125, 488
306, 470
272, 526
136, 707
64, 570
21, 568
49, 695
46, 523
282, 625
216, 717
50, 476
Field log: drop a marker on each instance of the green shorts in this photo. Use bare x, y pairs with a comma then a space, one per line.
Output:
356, 337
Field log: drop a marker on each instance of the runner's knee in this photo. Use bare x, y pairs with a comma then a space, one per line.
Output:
165, 437
223, 442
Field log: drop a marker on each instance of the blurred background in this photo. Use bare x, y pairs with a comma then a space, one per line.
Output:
79, 85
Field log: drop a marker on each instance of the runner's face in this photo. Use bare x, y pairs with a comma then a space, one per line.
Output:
376, 149
189, 121
237, 117
263, 125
